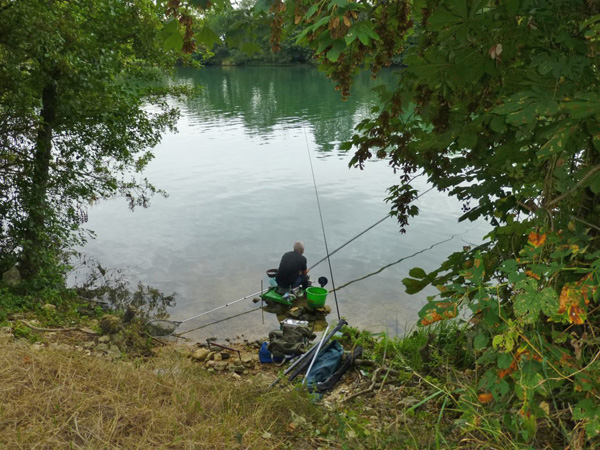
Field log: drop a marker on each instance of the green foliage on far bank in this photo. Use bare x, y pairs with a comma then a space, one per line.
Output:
242, 38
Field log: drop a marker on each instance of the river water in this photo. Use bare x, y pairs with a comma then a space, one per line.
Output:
238, 175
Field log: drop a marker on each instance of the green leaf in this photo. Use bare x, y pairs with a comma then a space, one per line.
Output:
475, 273
322, 21
338, 47
172, 39
413, 286
481, 341
202, 4
505, 360
581, 108
365, 33
262, 5
497, 341
324, 42
589, 411
207, 36
174, 42
417, 272
250, 48
530, 302
170, 27
339, 3
467, 140
512, 104
313, 9
497, 124
547, 107
595, 183
556, 144
442, 18
522, 116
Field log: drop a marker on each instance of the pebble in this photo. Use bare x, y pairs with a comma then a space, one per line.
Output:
200, 354
237, 369
221, 365
114, 352
102, 348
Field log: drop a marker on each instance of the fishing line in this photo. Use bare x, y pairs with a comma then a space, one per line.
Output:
165, 327
403, 259
171, 325
337, 307
363, 232
217, 321
340, 287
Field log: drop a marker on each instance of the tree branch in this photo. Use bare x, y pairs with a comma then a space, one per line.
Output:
591, 172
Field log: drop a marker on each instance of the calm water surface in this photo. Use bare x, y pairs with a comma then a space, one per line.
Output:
238, 175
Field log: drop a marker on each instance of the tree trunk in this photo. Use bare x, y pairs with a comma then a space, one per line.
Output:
36, 195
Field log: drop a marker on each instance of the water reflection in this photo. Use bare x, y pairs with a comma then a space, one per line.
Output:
265, 99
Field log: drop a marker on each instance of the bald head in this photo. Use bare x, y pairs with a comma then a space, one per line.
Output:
299, 247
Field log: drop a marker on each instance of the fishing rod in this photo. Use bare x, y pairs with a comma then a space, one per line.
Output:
404, 258
218, 321
342, 246
316, 354
164, 327
337, 306
362, 232
302, 361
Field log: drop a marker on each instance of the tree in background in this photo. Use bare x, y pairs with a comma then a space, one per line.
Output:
498, 105
235, 35
80, 107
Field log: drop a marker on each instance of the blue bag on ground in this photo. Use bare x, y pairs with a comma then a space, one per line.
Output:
325, 365
264, 354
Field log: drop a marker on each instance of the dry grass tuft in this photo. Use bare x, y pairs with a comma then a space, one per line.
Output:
60, 399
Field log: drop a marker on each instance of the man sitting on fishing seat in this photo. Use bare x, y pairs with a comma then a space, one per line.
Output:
292, 270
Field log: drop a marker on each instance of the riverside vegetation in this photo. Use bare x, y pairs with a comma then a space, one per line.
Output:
77, 376
498, 105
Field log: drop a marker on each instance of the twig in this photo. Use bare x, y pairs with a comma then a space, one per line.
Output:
156, 340
591, 172
369, 389
52, 330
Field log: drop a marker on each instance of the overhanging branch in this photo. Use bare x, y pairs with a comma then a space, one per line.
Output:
561, 197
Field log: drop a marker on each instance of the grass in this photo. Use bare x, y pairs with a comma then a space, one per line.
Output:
57, 399
423, 396
53, 398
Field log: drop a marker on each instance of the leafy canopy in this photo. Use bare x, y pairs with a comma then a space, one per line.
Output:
498, 105
80, 107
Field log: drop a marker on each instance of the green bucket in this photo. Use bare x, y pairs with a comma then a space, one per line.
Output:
316, 296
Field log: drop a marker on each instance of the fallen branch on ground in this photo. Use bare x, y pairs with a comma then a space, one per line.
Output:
52, 330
